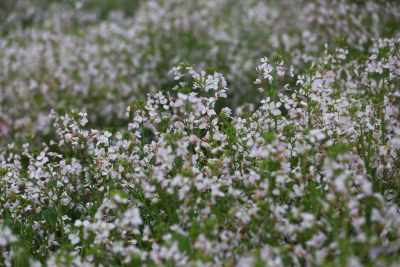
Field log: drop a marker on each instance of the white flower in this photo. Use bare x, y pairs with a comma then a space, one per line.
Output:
291, 71
83, 120
74, 238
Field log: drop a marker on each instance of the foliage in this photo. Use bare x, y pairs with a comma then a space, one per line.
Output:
144, 161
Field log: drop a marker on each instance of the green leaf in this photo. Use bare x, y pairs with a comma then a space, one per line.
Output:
50, 215
183, 243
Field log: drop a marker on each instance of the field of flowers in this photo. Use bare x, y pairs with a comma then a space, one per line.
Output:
199, 133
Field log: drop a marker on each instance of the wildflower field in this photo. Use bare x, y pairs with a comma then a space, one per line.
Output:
199, 133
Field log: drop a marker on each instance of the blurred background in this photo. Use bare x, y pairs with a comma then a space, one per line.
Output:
100, 56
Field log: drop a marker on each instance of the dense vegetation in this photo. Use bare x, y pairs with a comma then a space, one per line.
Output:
199, 133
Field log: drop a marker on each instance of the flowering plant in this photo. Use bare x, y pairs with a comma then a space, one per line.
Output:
304, 175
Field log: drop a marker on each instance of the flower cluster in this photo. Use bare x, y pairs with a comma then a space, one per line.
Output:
309, 177
115, 153
74, 55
